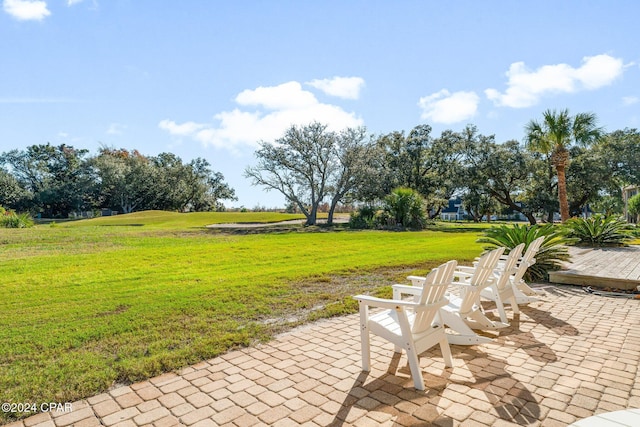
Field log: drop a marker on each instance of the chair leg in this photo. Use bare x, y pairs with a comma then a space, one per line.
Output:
514, 304
365, 345
501, 310
414, 365
446, 351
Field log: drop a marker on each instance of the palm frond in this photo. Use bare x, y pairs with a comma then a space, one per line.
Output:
551, 254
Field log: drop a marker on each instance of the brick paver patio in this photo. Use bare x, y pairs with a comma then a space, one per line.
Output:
567, 357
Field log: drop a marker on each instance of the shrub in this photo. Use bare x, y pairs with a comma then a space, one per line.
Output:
10, 219
599, 230
365, 217
551, 254
404, 208
634, 205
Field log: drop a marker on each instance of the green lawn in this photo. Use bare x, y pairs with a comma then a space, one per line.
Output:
91, 303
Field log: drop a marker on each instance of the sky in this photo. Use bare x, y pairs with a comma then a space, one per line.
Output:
214, 79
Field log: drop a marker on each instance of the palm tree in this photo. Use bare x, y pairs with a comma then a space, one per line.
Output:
555, 135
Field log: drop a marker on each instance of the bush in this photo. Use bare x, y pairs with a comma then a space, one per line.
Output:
634, 205
551, 254
404, 208
599, 230
365, 217
10, 219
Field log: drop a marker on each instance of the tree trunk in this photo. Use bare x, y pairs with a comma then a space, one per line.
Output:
531, 218
436, 213
313, 215
332, 208
562, 192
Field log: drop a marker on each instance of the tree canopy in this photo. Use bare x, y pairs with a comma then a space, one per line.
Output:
565, 163
310, 163
56, 180
555, 135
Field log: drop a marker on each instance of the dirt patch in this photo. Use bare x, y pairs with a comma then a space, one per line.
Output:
331, 295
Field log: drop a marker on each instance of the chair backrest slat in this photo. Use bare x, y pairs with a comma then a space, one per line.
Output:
505, 269
434, 289
528, 258
480, 279
533, 249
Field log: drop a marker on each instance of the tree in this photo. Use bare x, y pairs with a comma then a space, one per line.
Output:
418, 161
126, 179
621, 152
479, 204
189, 186
501, 171
309, 164
57, 177
11, 193
541, 192
555, 135
588, 179
354, 158
444, 169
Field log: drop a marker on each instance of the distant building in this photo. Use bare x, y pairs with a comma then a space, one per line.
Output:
510, 215
454, 211
628, 192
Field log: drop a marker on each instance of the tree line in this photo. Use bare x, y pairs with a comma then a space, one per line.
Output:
54, 181
566, 164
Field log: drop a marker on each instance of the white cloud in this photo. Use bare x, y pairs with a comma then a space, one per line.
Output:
72, 2
275, 108
525, 87
184, 129
630, 100
342, 87
25, 10
116, 129
282, 97
445, 107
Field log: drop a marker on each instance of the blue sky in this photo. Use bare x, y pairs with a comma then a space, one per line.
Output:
211, 79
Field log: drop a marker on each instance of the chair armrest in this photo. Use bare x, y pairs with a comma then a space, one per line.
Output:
392, 304
399, 291
407, 289
416, 280
463, 284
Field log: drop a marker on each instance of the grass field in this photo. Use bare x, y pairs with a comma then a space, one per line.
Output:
91, 303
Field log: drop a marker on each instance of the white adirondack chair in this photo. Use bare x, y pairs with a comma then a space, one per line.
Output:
502, 290
410, 325
523, 292
464, 313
